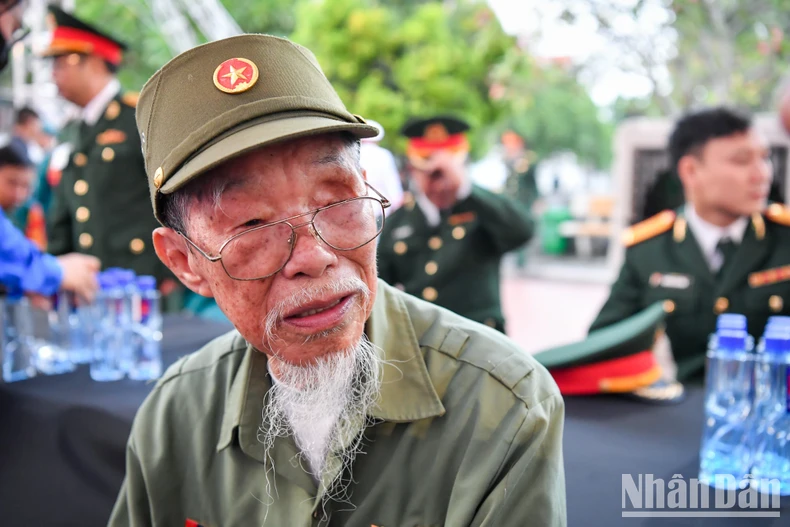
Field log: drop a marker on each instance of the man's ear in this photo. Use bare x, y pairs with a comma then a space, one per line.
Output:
687, 169
173, 250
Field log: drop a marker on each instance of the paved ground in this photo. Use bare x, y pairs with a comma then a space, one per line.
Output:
543, 313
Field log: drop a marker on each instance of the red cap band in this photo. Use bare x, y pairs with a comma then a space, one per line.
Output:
77, 40
623, 374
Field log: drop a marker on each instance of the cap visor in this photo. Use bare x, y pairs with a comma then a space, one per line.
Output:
251, 136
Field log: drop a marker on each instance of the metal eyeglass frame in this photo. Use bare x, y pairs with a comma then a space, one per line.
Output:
384, 202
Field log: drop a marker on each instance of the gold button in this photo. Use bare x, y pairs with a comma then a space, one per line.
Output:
159, 177
86, 240
113, 110
108, 154
80, 159
137, 246
435, 243
431, 268
400, 247
80, 187
721, 305
429, 294
669, 306
82, 214
776, 303
459, 233
490, 322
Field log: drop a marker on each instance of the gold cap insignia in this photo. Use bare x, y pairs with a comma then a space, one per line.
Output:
235, 75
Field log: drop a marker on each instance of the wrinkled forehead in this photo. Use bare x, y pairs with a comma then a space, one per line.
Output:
324, 160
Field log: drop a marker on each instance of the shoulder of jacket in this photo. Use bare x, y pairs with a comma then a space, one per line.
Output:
649, 228
130, 99
778, 213
206, 357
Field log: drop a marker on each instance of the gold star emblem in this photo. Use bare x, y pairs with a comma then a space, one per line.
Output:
235, 75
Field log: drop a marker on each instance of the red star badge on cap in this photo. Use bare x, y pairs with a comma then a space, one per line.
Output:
235, 75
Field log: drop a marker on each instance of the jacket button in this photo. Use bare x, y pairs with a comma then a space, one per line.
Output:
431, 268
81, 187
137, 246
86, 240
435, 243
775, 303
430, 294
459, 233
82, 214
669, 306
80, 160
721, 305
400, 247
108, 154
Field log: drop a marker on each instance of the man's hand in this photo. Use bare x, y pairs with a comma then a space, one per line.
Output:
79, 274
441, 177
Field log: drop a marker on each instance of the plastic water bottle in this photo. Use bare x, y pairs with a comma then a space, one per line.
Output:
127, 281
771, 442
725, 447
109, 344
16, 344
52, 353
147, 319
77, 327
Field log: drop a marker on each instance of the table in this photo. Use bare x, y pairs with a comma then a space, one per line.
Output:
62, 447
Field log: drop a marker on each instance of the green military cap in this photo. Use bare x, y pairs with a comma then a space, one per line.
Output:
228, 97
614, 359
421, 128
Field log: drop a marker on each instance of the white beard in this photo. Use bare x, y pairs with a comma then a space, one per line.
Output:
324, 405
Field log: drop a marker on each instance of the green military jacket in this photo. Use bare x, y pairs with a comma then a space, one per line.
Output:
468, 432
455, 264
101, 206
665, 263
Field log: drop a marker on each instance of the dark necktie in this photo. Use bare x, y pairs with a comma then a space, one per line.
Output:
727, 248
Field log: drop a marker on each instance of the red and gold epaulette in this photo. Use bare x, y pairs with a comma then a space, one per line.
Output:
649, 228
778, 213
130, 99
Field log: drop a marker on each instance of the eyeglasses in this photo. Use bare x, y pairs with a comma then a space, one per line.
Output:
263, 251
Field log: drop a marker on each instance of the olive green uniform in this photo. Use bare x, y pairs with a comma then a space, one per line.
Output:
670, 267
101, 205
455, 264
468, 432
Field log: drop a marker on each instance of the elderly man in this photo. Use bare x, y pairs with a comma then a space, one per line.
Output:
254, 168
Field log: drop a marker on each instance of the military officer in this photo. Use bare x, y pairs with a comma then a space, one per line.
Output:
445, 245
726, 250
100, 201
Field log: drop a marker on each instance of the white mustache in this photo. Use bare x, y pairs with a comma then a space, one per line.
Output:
342, 286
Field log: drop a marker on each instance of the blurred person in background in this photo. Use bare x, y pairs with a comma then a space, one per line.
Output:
726, 250
382, 171
445, 245
24, 268
521, 183
26, 135
100, 204
17, 180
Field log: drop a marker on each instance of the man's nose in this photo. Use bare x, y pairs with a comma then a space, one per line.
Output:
310, 255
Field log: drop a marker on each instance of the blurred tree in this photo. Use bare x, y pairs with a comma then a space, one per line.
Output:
393, 62
694, 52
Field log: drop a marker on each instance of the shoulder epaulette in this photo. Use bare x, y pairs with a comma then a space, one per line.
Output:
130, 99
649, 228
778, 213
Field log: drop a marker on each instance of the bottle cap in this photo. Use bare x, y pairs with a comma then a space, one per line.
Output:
125, 277
777, 340
146, 283
731, 321
107, 280
777, 321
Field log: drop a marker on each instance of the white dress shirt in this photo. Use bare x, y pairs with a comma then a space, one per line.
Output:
709, 235
95, 108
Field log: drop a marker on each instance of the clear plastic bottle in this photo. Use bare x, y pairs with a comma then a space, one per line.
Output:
16, 343
127, 281
109, 336
726, 441
771, 441
147, 318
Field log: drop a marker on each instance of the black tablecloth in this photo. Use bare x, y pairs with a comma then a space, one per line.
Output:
62, 443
